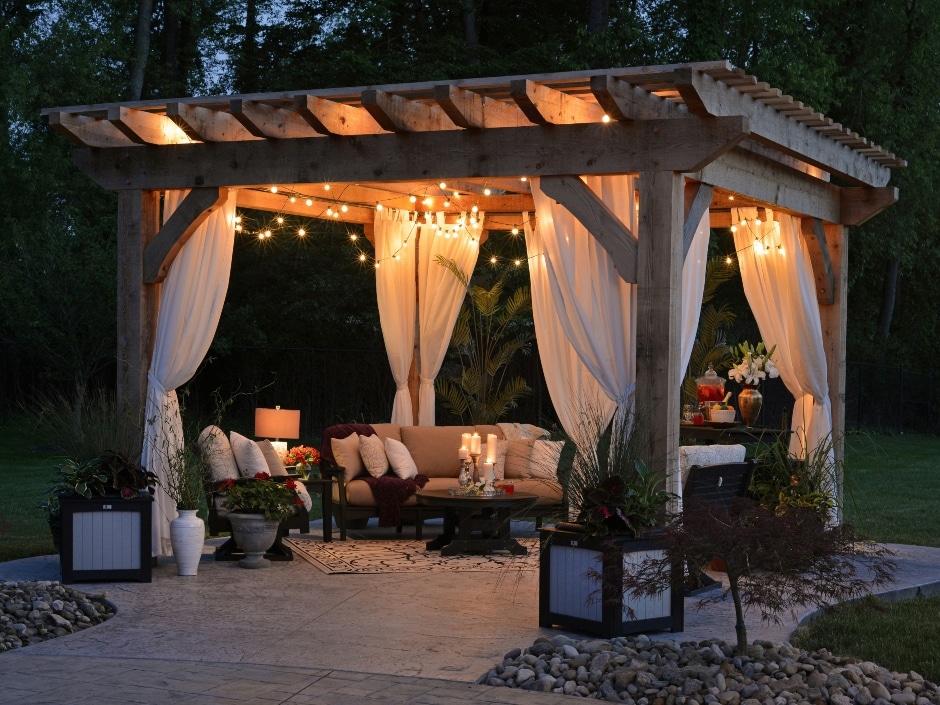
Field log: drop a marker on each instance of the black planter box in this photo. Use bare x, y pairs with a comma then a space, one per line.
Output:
106, 538
570, 600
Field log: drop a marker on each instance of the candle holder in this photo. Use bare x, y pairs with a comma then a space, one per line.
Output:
466, 474
476, 468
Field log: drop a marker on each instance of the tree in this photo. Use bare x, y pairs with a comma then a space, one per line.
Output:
486, 337
775, 561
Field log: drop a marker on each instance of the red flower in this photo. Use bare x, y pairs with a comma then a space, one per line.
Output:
262, 476
290, 482
794, 480
226, 484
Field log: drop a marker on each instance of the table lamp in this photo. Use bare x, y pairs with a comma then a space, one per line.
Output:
277, 423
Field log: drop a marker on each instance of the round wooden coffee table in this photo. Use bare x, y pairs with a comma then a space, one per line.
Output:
476, 524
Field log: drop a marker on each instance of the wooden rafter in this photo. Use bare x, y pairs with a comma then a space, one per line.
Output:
397, 114
860, 204
543, 105
264, 120
472, 110
329, 117
208, 125
142, 127
85, 131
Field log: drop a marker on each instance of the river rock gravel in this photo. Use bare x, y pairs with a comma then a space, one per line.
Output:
638, 671
35, 611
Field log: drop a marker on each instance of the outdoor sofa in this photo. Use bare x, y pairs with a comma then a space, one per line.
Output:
426, 457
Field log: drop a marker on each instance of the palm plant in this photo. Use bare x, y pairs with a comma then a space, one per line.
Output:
487, 336
711, 345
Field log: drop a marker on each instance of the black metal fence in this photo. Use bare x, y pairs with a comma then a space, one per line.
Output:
332, 386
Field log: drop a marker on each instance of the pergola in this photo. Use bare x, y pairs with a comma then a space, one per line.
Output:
699, 136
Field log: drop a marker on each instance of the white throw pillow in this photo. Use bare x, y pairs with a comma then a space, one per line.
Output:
275, 464
248, 455
543, 462
346, 453
217, 450
400, 459
499, 467
372, 451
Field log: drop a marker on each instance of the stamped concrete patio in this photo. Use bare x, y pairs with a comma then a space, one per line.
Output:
292, 634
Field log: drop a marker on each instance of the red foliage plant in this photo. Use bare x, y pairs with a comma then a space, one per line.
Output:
774, 561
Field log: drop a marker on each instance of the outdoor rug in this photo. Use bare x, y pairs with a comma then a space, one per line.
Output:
404, 557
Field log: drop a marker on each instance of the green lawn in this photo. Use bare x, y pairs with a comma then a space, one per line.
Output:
25, 468
892, 484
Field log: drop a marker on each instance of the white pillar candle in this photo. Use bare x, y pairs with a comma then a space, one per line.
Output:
465, 441
491, 447
488, 475
463, 453
475, 444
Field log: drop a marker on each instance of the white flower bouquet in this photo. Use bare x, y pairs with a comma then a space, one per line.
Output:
754, 365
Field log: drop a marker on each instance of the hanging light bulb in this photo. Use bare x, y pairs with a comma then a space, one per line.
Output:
238, 227
280, 220
523, 178
293, 199
486, 192
274, 189
757, 222
606, 118
442, 185
329, 210
301, 232
446, 203
734, 228
353, 237
493, 259
344, 208
326, 187
517, 262
413, 199
474, 209
378, 206
309, 202
728, 259
515, 230
362, 258
238, 219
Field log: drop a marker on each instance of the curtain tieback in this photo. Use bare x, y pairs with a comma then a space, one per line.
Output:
426, 380
402, 387
156, 384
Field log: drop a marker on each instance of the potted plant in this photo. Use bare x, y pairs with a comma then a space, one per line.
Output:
619, 508
184, 483
302, 459
93, 508
257, 506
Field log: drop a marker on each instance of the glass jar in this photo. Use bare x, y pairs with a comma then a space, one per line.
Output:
709, 388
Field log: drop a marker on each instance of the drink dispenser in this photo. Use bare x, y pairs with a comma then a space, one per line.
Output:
709, 387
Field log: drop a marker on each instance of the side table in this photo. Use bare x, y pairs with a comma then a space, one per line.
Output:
324, 487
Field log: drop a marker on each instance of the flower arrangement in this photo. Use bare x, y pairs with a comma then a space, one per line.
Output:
261, 495
754, 364
302, 455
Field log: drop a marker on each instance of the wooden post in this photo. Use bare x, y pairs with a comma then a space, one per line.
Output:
833, 319
137, 303
659, 312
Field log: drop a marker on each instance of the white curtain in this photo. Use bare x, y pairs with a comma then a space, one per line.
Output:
693, 286
395, 235
595, 307
190, 306
440, 295
574, 391
778, 281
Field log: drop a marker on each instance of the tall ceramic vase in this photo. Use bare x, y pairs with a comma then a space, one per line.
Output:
254, 534
187, 536
750, 401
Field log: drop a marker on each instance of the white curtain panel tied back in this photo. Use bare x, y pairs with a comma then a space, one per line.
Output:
778, 281
190, 306
440, 295
404, 246
395, 239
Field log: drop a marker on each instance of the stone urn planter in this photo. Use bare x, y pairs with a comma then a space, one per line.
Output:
570, 599
187, 537
255, 534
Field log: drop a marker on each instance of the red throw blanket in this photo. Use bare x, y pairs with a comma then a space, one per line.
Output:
390, 493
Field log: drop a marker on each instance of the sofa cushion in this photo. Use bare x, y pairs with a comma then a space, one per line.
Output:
434, 448
372, 451
217, 450
485, 429
544, 459
400, 459
518, 454
387, 430
346, 453
248, 455
342, 430
275, 464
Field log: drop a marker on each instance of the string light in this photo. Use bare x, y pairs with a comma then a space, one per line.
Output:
606, 118
301, 232
280, 220
274, 189
326, 187
309, 202
486, 192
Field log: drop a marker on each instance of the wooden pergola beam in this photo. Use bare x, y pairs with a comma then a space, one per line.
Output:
208, 125
598, 219
397, 114
329, 117
543, 105
705, 96
177, 230
814, 235
698, 197
860, 204
264, 120
142, 127
471, 110
84, 131
596, 148
621, 101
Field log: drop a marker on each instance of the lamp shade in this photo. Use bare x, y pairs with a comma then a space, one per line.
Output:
277, 423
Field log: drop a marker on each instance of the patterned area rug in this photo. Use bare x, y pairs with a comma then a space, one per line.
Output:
404, 557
